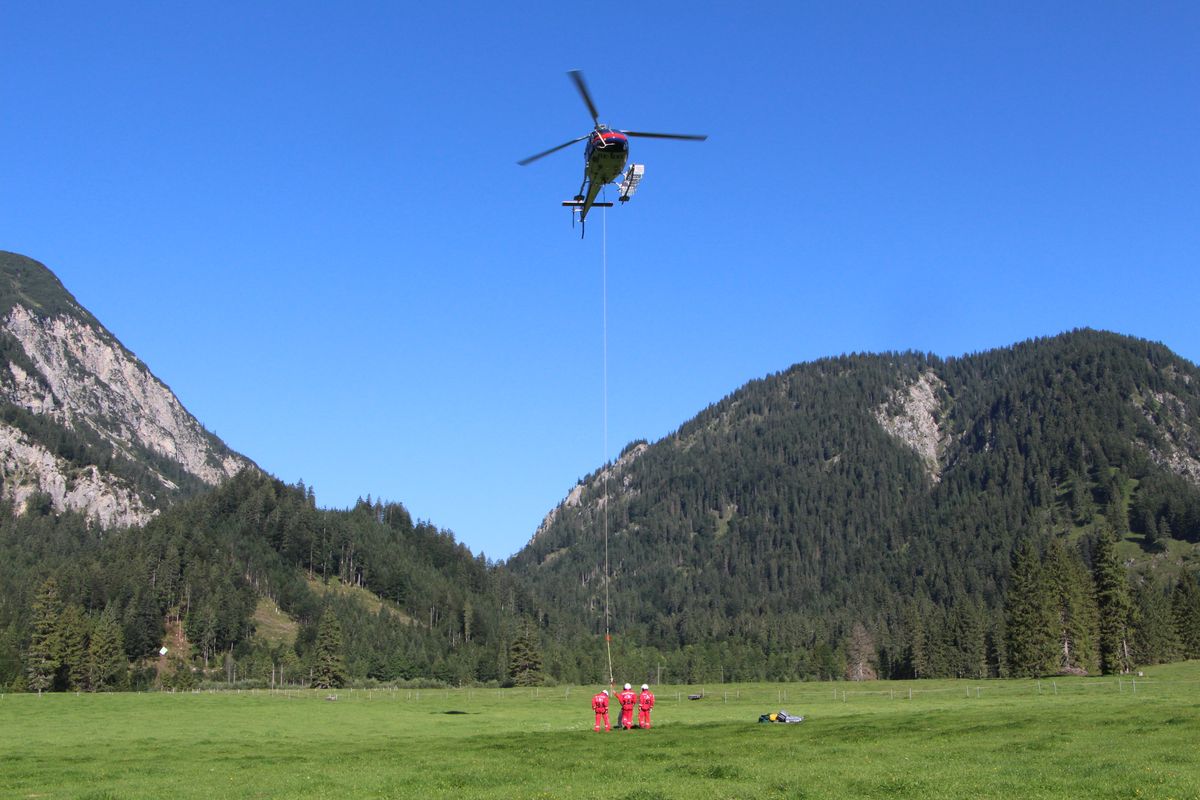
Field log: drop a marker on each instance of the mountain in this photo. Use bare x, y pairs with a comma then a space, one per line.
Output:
135, 529
236, 582
1028, 510
84, 425
883, 491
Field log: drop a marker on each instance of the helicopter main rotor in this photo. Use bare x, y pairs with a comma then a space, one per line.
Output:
577, 78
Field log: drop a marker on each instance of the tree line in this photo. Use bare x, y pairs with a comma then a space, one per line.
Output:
782, 534
762, 532
202, 568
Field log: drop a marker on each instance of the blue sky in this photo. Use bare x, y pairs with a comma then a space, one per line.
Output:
308, 220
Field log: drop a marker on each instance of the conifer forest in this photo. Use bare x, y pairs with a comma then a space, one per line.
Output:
1028, 511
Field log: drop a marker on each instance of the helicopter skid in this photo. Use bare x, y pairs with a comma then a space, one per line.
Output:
581, 203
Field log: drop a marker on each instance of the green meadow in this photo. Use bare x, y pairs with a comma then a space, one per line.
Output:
1063, 738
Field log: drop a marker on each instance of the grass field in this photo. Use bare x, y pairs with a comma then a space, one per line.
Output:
1067, 738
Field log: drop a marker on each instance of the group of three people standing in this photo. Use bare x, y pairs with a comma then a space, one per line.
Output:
628, 701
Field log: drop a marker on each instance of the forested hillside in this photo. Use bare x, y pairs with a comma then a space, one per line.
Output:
197, 577
868, 509
1027, 511
114, 544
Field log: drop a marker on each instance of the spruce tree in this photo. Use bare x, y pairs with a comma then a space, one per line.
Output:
967, 624
143, 629
1114, 606
915, 660
1155, 640
1075, 615
73, 637
45, 645
524, 658
1083, 506
1185, 603
107, 668
10, 657
1030, 616
329, 663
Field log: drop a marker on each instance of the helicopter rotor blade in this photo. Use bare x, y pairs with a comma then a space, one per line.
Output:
577, 76
533, 158
691, 137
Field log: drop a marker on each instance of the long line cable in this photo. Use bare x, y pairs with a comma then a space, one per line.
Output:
604, 461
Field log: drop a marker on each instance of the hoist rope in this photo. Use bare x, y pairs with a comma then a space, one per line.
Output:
604, 460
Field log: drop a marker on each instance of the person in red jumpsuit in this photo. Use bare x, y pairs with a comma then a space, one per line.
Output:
645, 703
600, 706
628, 700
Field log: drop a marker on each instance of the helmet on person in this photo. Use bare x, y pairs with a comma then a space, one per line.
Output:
627, 686
604, 692
645, 686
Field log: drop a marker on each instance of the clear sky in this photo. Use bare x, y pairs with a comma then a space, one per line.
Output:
308, 220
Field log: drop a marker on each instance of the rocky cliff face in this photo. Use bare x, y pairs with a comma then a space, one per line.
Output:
29, 469
619, 481
84, 421
912, 415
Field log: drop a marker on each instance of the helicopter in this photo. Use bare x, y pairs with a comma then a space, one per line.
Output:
604, 157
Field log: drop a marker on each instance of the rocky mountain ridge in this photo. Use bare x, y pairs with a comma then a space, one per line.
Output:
839, 490
84, 422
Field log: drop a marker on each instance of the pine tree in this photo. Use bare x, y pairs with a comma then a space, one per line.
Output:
916, 643
524, 658
1075, 615
1164, 533
202, 630
107, 668
1030, 616
969, 640
1153, 539
1114, 606
73, 632
1083, 506
996, 645
1155, 640
329, 664
10, 656
143, 629
1185, 603
45, 646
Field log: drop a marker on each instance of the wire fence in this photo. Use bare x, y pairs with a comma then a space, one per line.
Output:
867, 692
